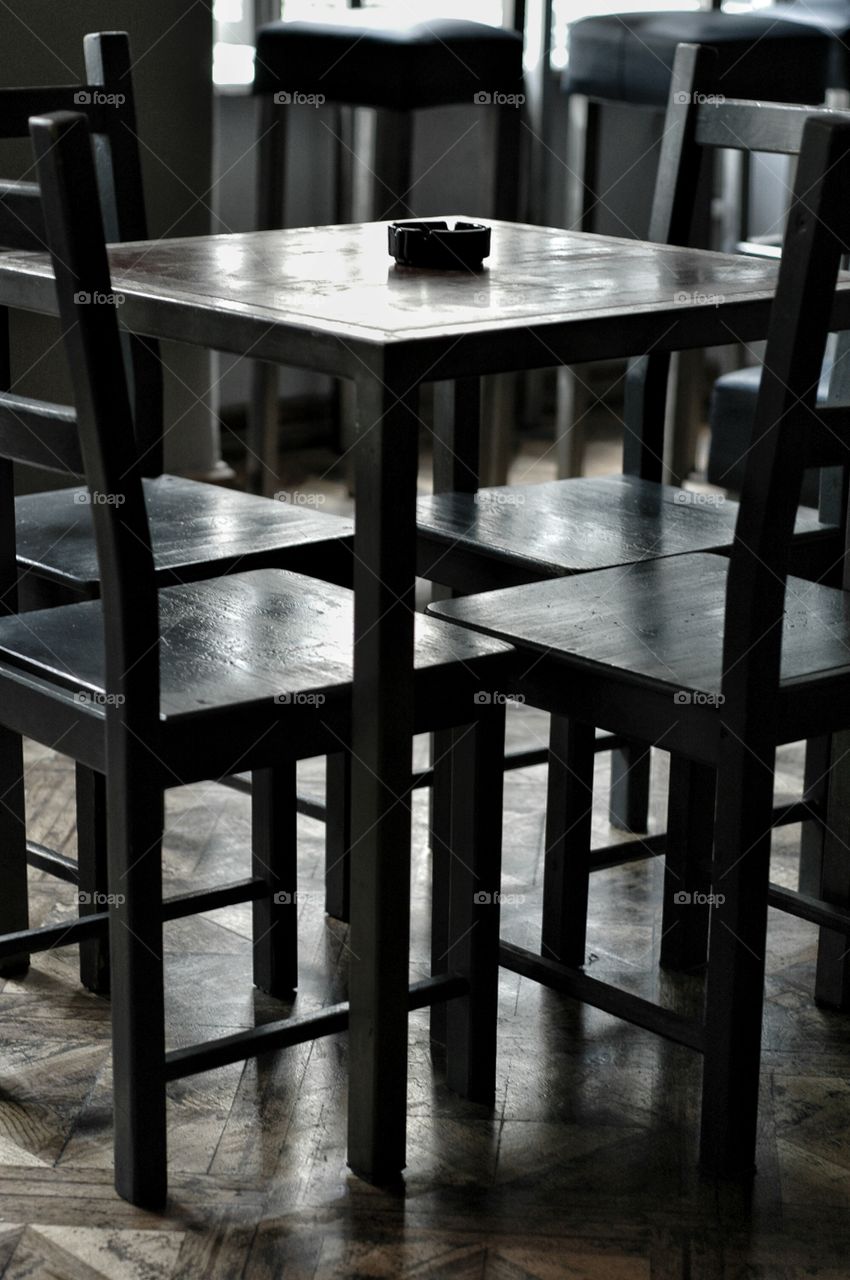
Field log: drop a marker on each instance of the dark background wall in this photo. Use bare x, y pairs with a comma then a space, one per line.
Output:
171, 41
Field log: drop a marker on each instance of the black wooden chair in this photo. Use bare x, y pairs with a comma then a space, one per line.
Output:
198, 530
720, 658
476, 540
156, 687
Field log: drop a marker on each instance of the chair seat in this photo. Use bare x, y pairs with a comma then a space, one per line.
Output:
367, 61
565, 527
629, 57
197, 530
659, 623
249, 638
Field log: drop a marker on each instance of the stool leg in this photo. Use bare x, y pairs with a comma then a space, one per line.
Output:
14, 908
628, 802
507, 179
474, 896
338, 836
832, 978
274, 843
569, 815
735, 983
93, 874
135, 822
393, 164
261, 462
687, 864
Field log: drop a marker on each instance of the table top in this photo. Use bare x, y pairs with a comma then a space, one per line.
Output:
330, 297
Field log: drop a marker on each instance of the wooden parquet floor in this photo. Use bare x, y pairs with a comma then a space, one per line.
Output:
586, 1167
585, 1170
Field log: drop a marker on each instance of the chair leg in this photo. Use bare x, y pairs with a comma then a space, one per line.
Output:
338, 836
832, 977
14, 903
93, 872
443, 746
813, 832
262, 460
474, 898
274, 845
735, 982
628, 802
569, 815
687, 865
135, 823
572, 401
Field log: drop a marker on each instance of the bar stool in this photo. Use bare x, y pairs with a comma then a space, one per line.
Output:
366, 61
628, 59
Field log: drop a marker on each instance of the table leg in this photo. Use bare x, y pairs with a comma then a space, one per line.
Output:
457, 414
382, 727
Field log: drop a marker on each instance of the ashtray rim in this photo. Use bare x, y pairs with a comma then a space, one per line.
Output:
431, 242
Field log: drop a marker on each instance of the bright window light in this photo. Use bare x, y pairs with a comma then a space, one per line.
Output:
233, 63
228, 10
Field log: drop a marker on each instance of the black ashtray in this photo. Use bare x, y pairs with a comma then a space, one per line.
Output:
462, 247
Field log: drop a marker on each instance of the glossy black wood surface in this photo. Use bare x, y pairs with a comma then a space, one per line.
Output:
722, 659
158, 687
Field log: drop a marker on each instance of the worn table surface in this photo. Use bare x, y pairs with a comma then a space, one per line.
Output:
325, 297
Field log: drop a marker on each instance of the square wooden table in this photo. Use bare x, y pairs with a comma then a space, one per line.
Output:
330, 299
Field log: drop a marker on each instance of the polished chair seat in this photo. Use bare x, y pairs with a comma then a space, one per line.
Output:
658, 628
198, 530
526, 533
230, 644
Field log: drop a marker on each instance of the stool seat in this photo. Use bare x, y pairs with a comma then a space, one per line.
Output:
831, 18
730, 417
629, 57
366, 61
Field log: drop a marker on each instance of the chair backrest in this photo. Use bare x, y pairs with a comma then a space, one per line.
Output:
790, 432
75, 236
106, 99
699, 121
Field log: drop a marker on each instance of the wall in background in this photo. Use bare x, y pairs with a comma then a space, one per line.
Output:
41, 43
